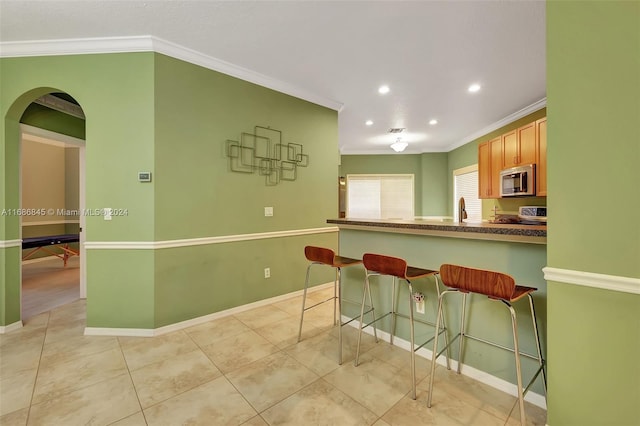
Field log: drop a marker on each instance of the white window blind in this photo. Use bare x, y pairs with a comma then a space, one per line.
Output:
380, 196
465, 184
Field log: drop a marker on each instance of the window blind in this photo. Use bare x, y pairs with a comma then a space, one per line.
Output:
466, 185
380, 196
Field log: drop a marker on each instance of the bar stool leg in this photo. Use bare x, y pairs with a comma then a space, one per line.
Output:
444, 327
336, 292
394, 310
364, 295
538, 347
462, 331
304, 299
339, 300
373, 312
412, 334
435, 349
516, 348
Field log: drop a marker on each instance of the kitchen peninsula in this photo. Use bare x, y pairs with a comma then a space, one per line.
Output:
518, 250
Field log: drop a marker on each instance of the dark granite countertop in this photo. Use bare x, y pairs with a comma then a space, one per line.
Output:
480, 230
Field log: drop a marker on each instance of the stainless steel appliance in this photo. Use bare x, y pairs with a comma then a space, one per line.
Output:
533, 215
518, 181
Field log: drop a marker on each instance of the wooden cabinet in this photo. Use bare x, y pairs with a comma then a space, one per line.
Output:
541, 157
489, 166
525, 145
519, 146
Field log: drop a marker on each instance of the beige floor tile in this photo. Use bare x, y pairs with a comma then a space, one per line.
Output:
77, 347
214, 403
16, 391
292, 306
162, 380
24, 336
448, 383
16, 418
235, 352
69, 313
318, 353
213, 331
19, 357
255, 421
144, 351
271, 379
374, 383
381, 422
101, 403
136, 419
319, 404
60, 378
62, 331
400, 358
262, 316
285, 333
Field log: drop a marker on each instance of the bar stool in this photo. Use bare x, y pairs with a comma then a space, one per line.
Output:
499, 287
327, 257
376, 264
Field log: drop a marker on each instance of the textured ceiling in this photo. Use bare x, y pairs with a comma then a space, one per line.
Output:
428, 52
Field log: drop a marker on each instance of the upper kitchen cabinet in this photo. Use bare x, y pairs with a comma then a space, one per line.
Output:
519, 146
489, 166
541, 157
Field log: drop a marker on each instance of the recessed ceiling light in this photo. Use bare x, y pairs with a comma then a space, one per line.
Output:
383, 89
433, 122
474, 88
368, 122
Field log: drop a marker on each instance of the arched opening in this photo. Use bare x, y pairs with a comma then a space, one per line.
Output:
45, 181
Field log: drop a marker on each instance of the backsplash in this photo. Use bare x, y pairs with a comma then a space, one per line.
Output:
509, 205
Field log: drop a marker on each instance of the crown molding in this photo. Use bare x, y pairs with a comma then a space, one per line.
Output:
538, 105
148, 43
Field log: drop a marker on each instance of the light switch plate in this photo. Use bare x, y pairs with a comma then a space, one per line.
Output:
268, 211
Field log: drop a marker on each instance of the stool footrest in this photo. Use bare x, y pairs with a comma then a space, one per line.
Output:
506, 348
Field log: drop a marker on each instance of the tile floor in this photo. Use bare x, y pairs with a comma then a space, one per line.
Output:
244, 369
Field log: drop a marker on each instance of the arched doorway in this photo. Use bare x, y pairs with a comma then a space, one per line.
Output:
47, 125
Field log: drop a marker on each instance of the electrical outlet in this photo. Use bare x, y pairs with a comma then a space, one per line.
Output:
420, 307
107, 213
268, 211
267, 272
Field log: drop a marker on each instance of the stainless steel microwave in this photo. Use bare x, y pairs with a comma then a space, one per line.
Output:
518, 181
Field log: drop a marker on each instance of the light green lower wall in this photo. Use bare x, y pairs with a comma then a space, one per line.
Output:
200, 280
120, 289
594, 374
147, 289
9, 285
489, 319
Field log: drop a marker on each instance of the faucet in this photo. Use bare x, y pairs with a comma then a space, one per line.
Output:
462, 213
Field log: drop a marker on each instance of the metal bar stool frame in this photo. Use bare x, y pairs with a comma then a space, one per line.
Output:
327, 257
498, 287
397, 268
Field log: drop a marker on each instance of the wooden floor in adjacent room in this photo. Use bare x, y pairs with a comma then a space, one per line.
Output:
47, 284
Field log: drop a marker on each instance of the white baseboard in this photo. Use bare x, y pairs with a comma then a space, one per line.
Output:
474, 373
144, 332
11, 327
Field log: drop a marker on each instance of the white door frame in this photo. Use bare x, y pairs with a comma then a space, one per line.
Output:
46, 136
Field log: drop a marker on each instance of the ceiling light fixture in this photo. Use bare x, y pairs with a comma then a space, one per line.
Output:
399, 146
368, 122
433, 122
383, 89
474, 88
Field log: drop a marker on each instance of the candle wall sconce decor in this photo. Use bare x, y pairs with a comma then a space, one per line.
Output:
263, 152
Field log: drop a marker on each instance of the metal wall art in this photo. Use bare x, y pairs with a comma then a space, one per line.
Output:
264, 152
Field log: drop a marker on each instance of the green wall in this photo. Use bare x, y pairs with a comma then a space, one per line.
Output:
196, 195
593, 82
148, 112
